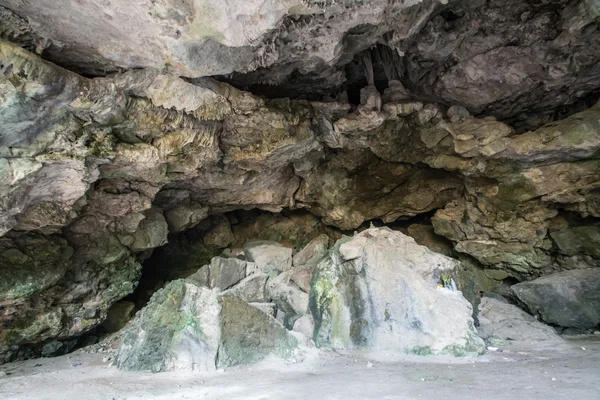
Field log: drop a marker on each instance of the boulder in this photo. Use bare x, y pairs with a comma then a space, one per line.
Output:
201, 277
186, 327
379, 289
185, 217
288, 297
151, 232
302, 276
569, 298
578, 240
251, 289
178, 330
269, 256
267, 308
501, 320
219, 235
313, 252
226, 272
248, 334
305, 325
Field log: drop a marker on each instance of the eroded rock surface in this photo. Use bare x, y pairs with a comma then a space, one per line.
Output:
567, 299
414, 109
500, 321
188, 327
379, 290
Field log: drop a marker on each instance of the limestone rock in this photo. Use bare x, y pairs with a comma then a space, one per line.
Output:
288, 297
219, 236
226, 272
381, 291
251, 289
269, 256
578, 240
97, 171
201, 277
305, 325
152, 232
267, 308
500, 320
177, 331
569, 298
186, 327
313, 252
248, 334
185, 217
425, 236
356, 186
302, 276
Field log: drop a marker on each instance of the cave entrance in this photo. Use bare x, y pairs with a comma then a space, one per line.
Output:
224, 234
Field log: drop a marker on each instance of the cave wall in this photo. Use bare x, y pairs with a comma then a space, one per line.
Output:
97, 172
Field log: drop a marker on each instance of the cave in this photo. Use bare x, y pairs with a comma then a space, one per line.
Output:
309, 198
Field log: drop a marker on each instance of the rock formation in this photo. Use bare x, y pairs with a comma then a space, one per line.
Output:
377, 290
156, 120
567, 299
501, 323
380, 290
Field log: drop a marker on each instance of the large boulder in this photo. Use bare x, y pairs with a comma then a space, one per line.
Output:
178, 330
269, 256
288, 297
380, 290
226, 272
500, 320
251, 289
186, 326
568, 298
313, 252
248, 334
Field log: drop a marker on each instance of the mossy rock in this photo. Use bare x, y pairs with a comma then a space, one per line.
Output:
248, 335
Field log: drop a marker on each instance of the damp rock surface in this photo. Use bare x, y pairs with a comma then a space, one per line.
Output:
379, 290
502, 321
140, 128
568, 299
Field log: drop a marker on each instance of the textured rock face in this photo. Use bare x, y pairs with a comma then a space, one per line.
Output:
501, 321
380, 290
453, 119
436, 48
187, 327
568, 299
178, 330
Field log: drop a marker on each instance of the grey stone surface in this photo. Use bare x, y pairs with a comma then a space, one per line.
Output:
251, 289
500, 320
313, 252
379, 289
569, 298
248, 334
269, 256
226, 272
177, 331
288, 297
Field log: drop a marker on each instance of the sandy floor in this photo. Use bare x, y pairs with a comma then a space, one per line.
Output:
564, 371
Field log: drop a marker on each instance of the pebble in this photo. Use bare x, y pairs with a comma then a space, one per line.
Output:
583, 348
2, 374
491, 348
553, 379
369, 365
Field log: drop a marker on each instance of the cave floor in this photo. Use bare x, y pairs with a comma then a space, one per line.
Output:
556, 371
